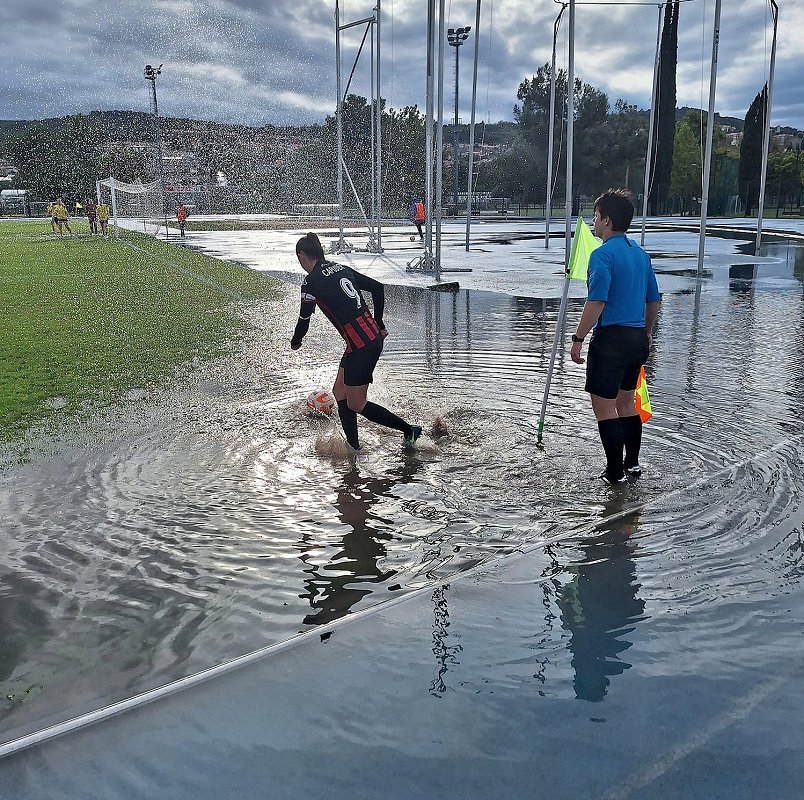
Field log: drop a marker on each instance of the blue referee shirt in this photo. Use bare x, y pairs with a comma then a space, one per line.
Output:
621, 276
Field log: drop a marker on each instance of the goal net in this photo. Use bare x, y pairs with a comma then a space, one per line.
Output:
137, 203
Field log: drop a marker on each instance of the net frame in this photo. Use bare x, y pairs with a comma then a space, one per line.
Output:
132, 201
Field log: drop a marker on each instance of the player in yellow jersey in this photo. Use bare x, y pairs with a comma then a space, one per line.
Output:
103, 217
60, 215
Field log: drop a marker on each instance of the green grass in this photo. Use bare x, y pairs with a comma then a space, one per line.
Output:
85, 320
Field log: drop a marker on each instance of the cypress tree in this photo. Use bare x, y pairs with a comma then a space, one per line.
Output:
666, 110
751, 151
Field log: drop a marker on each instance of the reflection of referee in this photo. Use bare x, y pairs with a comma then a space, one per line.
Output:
622, 306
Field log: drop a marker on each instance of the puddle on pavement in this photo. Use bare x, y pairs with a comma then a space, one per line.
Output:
203, 523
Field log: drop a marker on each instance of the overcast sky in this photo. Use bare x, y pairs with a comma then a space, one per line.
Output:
272, 61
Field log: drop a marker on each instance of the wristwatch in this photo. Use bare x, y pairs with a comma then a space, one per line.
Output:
577, 339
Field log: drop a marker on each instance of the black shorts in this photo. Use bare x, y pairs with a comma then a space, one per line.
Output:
358, 366
616, 354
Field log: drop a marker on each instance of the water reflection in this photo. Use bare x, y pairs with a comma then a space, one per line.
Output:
600, 605
334, 587
446, 655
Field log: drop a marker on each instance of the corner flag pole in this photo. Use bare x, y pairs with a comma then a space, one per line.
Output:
562, 311
651, 126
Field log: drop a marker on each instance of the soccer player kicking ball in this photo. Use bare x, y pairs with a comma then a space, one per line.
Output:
622, 306
336, 289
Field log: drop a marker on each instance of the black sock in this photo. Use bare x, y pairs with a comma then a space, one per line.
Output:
349, 423
611, 435
382, 416
632, 436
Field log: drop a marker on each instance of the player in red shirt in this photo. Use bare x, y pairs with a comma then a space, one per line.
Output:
336, 290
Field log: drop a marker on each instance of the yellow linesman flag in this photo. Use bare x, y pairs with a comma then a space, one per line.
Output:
641, 397
583, 243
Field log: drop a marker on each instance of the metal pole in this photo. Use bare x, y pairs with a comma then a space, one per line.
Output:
710, 127
472, 128
651, 125
548, 202
428, 223
150, 75
439, 139
766, 133
339, 125
562, 311
379, 138
372, 242
114, 204
455, 133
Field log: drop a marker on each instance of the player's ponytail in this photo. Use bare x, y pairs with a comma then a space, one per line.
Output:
310, 245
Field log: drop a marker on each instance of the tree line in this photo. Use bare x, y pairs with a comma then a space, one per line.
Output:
271, 168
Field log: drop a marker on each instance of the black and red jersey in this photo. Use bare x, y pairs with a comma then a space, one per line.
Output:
336, 290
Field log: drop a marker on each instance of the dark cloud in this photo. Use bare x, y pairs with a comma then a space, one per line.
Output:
272, 61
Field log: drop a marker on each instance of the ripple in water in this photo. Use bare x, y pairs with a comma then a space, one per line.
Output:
209, 521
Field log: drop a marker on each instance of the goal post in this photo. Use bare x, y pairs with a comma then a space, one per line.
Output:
131, 201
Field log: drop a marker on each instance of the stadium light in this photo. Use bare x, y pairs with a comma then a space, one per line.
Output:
456, 37
151, 74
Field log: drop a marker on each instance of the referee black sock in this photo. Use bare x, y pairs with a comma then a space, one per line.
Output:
611, 435
349, 423
382, 416
632, 437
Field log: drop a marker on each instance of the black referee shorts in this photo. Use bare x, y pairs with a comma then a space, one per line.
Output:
616, 354
358, 366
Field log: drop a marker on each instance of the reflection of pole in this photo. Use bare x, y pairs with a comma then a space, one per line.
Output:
710, 127
651, 125
472, 128
548, 201
766, 132
568, 222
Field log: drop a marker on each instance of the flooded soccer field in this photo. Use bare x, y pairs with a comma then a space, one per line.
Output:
197, 524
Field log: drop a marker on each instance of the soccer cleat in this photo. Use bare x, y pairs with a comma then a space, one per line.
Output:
604, 476
415, 433
635, 470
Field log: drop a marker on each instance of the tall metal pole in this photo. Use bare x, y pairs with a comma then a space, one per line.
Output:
428, 222
378, 112
339, 125
374, 99
455, 133
472, 128
651, 126
766, 133
439, 188
151, 74
562, 311
548, 203
710, 127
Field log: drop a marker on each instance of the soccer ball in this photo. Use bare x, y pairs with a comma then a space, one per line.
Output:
321, 402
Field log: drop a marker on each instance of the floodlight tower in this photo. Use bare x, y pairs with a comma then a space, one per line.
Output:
151, 74
456, 37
